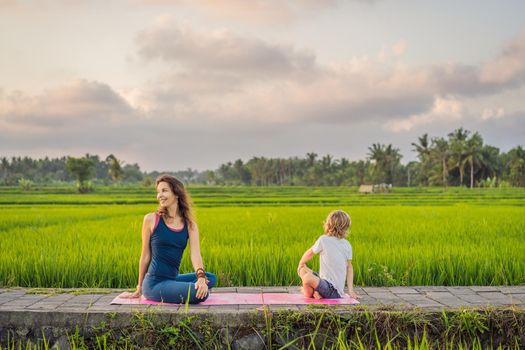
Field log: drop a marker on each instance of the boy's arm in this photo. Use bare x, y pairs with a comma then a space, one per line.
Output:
307, 256
350, 280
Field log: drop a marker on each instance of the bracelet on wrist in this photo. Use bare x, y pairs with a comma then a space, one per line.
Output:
200, 273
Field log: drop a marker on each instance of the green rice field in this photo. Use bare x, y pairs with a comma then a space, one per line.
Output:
53, 237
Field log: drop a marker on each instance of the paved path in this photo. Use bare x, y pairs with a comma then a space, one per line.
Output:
15, 300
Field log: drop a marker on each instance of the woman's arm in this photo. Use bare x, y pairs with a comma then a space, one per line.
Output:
196, 261
145, 255
195, 248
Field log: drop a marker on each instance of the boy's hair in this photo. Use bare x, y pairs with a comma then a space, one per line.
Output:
337, 224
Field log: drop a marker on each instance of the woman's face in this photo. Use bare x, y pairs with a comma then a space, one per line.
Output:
165, 196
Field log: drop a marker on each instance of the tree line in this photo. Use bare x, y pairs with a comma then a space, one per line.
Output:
459, 159
86, 171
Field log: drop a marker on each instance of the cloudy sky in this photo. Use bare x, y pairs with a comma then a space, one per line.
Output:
172, 84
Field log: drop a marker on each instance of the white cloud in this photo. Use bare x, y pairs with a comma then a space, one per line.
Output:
220, 51
73, 105
493, 113
8, 3
392, 52
509, 65
219, 76
444, 110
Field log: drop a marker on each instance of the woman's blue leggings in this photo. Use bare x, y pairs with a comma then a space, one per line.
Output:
175, 291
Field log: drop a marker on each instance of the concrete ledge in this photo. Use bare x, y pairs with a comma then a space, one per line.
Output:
33, 314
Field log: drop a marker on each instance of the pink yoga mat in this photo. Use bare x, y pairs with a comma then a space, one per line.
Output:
299, 299
247, 299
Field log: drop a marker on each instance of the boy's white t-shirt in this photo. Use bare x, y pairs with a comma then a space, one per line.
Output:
335, 253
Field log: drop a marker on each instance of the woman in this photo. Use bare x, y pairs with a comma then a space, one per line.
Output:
164, 237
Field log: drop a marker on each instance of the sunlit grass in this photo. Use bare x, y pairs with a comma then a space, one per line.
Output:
99, 245
210, 196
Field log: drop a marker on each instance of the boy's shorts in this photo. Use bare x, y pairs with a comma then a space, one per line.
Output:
326, 289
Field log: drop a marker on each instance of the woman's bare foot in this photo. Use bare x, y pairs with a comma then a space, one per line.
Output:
317, 295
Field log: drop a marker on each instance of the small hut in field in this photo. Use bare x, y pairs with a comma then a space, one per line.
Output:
380, 188
366, 189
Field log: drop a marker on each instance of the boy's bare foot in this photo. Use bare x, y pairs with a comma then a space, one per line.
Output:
317, 295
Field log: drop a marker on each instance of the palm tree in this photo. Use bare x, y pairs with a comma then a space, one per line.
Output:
457, 140
326, 162
377, 155
515, 165
226, 172
82, 169
411, 169
423, 150
392, 161
114, 167
440, 152
473, 154
491, 165
386, 160
242, 174
342, 172
361, 171
4, 166
311, 157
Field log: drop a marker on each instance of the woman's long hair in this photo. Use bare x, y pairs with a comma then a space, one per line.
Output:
184, 199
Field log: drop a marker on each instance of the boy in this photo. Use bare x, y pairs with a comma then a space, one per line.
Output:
335, 261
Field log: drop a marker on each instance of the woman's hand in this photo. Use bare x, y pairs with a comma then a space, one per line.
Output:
136, 294
202, 288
